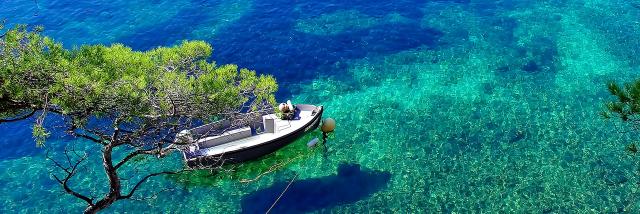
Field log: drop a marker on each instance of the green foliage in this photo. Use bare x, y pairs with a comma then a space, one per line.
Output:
116, 81
627, 105
632, 148
40, 134
28, 66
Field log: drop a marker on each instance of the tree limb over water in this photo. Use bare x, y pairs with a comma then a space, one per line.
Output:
129, 103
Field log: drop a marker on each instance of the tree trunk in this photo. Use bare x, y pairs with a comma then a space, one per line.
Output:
98, 206
114, 182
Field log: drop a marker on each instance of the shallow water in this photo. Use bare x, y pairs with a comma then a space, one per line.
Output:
442, 106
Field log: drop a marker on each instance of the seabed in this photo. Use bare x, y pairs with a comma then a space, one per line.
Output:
444, 106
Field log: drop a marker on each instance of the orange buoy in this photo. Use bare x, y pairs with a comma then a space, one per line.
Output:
328, 125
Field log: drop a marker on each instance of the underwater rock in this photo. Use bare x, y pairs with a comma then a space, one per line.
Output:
536, 60
488, 88
491, 126
614, 177
350, 185
517, 135
531, 67
609, 173
504, 30
547, 211
542, 52
503, 69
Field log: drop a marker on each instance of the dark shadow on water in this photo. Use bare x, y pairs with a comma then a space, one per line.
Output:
536, 61
350, 185
17, 140
172, 31
265, 39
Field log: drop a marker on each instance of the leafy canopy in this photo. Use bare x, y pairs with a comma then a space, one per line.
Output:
37, 73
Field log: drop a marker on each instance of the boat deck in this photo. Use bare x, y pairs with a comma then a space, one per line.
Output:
283, 128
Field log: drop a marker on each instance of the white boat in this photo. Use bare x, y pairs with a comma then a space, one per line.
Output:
208, 146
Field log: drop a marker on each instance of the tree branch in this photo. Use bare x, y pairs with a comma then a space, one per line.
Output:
67, 189
133, 190
88, 137
132, 155
70, 171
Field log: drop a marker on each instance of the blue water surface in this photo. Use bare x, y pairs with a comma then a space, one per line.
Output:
442, 105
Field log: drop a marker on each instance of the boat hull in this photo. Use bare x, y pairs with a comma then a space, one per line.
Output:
257, 151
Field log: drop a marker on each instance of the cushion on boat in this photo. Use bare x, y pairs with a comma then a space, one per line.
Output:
226, 137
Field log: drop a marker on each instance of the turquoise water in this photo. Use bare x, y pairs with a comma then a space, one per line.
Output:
442, 106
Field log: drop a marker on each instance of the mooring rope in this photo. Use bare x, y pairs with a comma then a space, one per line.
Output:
281, 194
278, 166
273, 168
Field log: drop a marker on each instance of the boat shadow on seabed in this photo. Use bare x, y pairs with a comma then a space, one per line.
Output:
350, 185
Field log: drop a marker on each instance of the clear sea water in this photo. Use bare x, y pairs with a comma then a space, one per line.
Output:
442, 106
